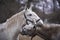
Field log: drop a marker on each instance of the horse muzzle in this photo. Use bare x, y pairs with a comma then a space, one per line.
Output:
39, 22
26, 32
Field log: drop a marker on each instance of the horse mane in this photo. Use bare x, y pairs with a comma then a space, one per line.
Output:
16, 15
12, 20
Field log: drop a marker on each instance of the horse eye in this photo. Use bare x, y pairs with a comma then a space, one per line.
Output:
30, 14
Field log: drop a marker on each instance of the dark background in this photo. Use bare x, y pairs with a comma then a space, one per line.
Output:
11, 7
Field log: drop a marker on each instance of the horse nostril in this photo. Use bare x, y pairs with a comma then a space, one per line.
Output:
34, 27
24, 32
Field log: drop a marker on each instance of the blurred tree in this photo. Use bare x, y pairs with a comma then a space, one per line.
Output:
11, 7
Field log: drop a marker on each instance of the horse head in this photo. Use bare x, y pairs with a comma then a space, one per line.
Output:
32, 19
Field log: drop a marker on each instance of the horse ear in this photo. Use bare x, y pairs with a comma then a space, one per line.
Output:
25, 7
31, 6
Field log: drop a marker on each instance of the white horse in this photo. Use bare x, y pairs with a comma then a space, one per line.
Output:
32, 20
13, 26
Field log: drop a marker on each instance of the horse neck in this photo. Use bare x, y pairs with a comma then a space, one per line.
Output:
14, 24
